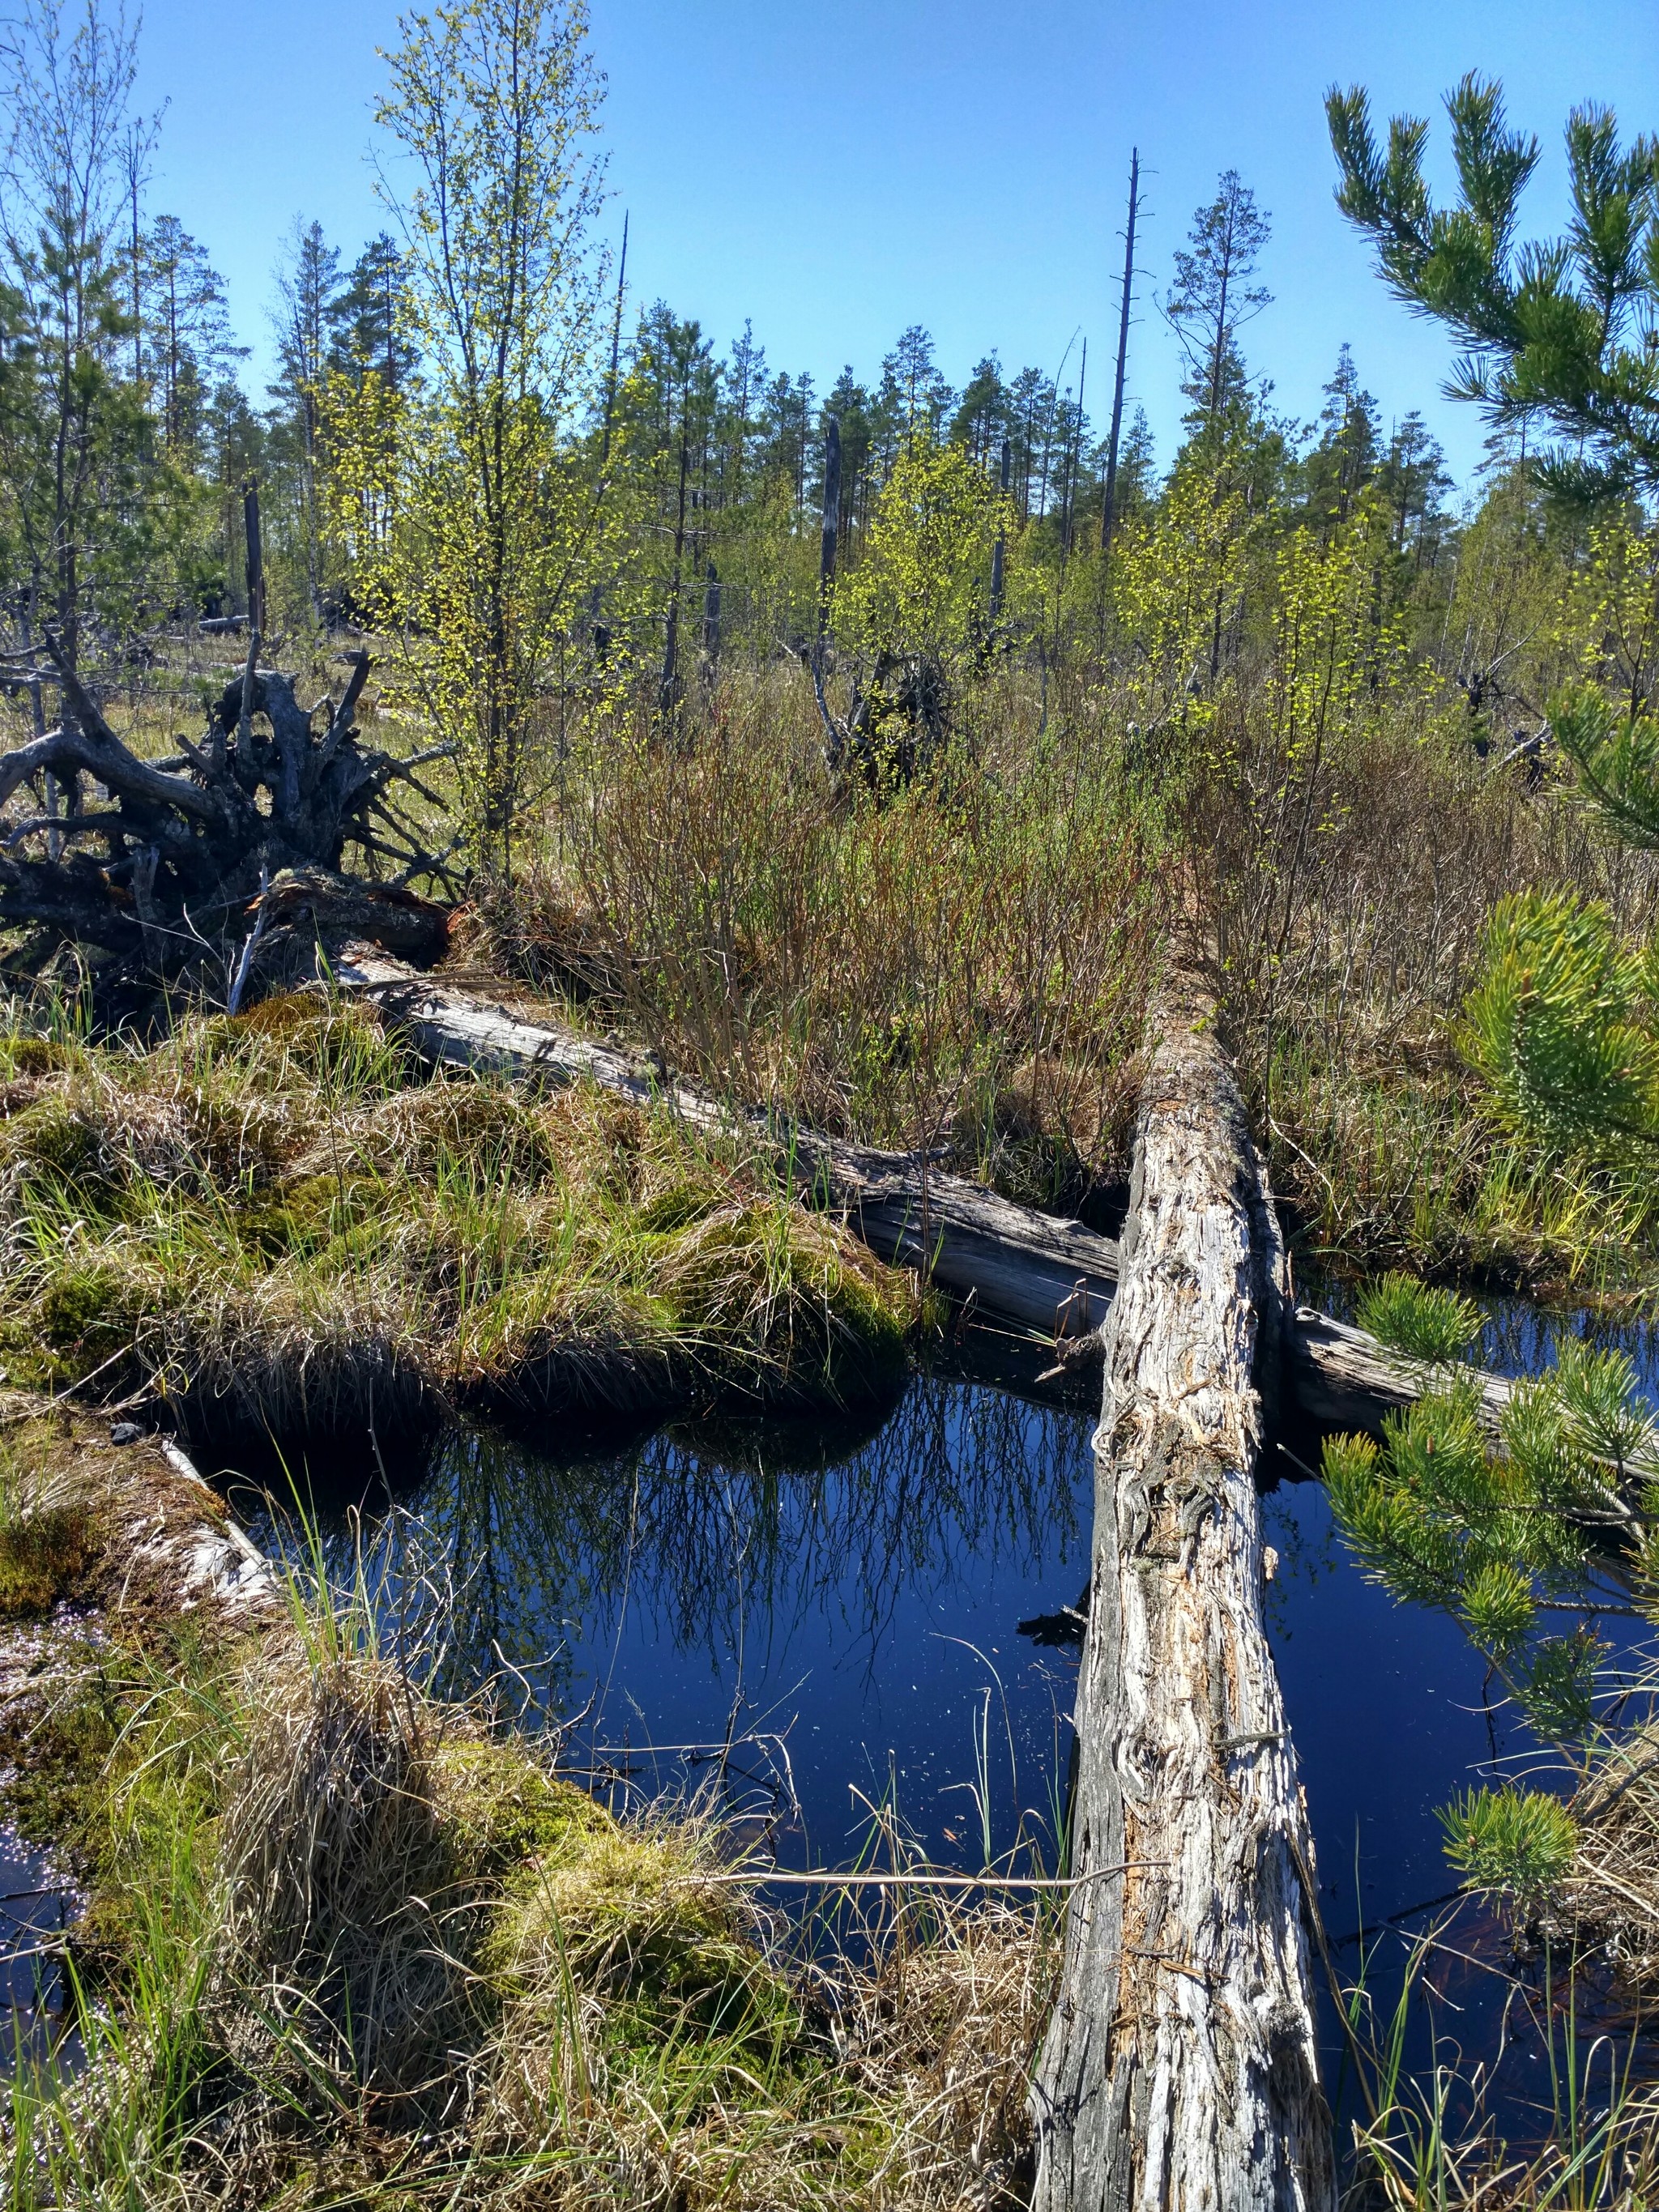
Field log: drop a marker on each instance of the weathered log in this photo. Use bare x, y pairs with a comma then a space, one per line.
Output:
1045, 1271
1049, 1273
1181, 2065
1344, 1378
1341, 1378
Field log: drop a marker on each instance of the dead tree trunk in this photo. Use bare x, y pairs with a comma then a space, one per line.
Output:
1109, 493
1180, 2069
1049, 1274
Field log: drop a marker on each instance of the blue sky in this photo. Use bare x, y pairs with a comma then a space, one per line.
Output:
834, 170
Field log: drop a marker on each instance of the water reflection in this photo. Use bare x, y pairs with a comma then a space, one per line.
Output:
827, 1622
843, 1607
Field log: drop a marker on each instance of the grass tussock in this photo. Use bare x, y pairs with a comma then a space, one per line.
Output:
278, 1223
347, 1944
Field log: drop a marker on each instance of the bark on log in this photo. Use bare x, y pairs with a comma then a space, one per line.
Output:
1180, 2068
1047, 1272
1343, 1378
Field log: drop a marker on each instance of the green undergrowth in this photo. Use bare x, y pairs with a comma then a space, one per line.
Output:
1394, 1160
346, 1943
281, 1223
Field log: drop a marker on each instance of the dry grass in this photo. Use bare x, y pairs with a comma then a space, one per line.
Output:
964, 963
278, 1223
1348, 888
353, 1946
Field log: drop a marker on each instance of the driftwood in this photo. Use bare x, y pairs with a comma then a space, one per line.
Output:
1050, 1275
265, 793
1180, 2068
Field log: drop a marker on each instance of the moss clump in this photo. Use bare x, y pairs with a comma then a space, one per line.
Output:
38, 1055
53, 1142
43, 1555
502, 1809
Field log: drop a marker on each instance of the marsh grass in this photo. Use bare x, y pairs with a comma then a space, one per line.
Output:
1431, 2141
47, 1540
350, 1943
963, 964
1346, 887
278, 1223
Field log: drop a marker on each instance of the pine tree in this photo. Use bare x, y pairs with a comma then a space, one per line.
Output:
1212, 297
190, 345
1343, 459
368, 326
1559, 332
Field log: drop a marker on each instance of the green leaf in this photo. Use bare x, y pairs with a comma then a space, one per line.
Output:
1413, 1318
1498, 1609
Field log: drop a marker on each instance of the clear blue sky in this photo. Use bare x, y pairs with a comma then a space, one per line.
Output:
837, 169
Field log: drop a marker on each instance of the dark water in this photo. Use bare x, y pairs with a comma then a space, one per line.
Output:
37, 1904
821, 1630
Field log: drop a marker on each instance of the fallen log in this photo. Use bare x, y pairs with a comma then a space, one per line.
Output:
1049, 1273
1344, 1378
1180, 2066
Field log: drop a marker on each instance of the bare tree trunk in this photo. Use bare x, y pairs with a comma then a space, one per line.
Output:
668, 692
256, 558
999, 550
835, 735
1109, 500
1181, 2067
711, 627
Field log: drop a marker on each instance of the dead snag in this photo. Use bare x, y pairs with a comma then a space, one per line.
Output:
1180, 2069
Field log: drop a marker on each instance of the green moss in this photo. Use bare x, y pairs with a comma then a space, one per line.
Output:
502, 1809
53, 1142
55, 1755
77, 1302
38, 1055
678, 1208
297, 1216
43, 1555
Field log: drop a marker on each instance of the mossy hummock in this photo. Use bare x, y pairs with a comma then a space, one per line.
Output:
279, 1222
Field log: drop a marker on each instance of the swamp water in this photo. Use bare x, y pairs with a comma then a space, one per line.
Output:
821, 1632
819, 1629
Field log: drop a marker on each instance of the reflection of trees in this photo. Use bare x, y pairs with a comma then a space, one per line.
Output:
707, 1531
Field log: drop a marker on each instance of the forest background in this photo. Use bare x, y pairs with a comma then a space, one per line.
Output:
592, 552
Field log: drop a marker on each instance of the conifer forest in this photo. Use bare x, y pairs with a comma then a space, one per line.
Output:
829, 1208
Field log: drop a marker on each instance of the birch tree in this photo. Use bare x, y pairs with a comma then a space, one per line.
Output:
491, 108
